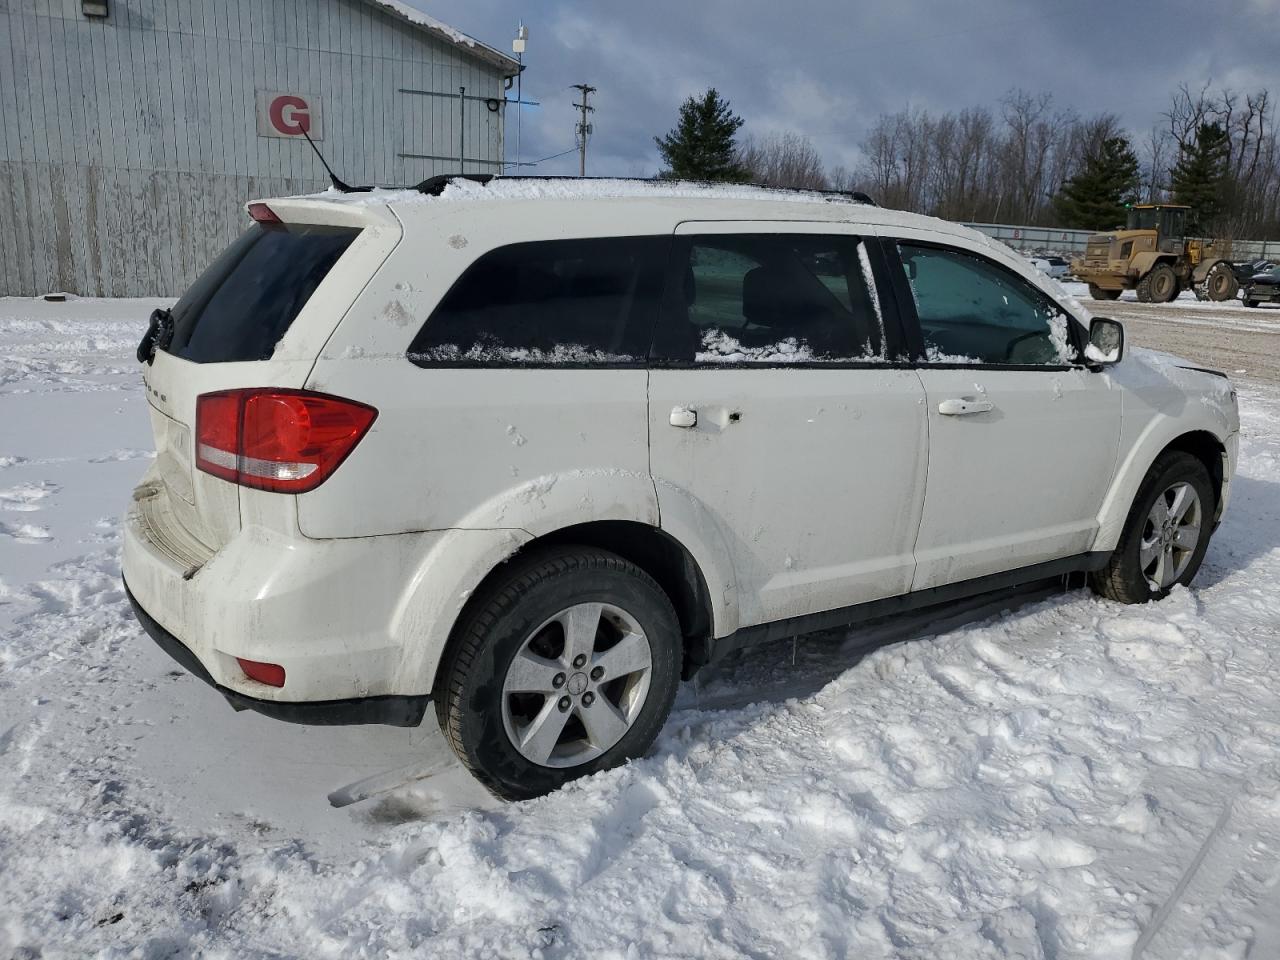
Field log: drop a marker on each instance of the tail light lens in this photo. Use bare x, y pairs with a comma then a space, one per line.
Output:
262, 213
288, 441
272, 674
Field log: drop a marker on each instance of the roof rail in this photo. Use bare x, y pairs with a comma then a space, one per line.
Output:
434, 186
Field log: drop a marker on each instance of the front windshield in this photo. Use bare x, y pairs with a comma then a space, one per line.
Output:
1142, 219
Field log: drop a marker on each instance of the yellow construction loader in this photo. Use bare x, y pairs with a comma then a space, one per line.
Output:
1153, 256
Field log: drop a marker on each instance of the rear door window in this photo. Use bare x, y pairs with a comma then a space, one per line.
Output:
244, 302
563, 302
770, 298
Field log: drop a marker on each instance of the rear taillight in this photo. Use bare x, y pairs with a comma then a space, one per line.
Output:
288, 441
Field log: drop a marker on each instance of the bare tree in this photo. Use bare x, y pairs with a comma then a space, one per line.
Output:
783, 160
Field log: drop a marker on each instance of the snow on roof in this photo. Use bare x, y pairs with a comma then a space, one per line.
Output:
441, 30
509, 189
574, 188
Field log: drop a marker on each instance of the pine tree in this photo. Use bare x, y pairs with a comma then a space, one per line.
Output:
1200, 178
1095, 198
701, 146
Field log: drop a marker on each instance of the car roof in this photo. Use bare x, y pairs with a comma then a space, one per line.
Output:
656, 204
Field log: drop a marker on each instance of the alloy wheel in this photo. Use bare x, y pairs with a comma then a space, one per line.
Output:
1170, 535
576, 685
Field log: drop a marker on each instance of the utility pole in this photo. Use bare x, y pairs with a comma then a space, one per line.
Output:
584, 128
517, 47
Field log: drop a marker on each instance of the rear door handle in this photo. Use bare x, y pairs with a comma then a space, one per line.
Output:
684, 418
963, 407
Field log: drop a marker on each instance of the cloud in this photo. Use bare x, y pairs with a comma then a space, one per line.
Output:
827, 68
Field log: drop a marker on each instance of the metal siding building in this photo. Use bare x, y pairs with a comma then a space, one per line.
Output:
128, 145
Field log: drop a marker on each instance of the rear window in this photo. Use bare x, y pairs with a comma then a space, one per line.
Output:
563, 302
244, 302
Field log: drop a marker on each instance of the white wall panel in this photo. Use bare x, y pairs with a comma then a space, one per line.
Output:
128, 146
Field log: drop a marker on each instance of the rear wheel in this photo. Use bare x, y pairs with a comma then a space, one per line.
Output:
567, 666
1160, 285
1098, 293
1166, 534
1222, 283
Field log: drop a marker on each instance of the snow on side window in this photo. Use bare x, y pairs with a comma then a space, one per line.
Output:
582, 301
481, 355
773, 298
1060, 337
720, 347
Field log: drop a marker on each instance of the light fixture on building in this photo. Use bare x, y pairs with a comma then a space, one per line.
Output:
94, 8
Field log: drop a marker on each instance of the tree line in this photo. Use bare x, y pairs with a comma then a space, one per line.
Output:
1025, 161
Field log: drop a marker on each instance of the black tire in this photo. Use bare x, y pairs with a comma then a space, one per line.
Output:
469, 686
1222, 283
1251, 303
1122, 579
1160, 285
1098, 293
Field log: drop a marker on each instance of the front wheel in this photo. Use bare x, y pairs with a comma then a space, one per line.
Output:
1222, 283
1098, 293
1166, 534
566, 666
1251, 303
1160, 285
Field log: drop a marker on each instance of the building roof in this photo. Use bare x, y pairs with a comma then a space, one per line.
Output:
442, 31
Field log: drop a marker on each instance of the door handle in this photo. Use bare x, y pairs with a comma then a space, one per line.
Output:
684, 418
962, 407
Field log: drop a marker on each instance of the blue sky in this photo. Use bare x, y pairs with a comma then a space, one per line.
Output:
827, 68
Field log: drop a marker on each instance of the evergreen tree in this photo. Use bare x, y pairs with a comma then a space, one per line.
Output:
1200, 178
701, 146
1095, 198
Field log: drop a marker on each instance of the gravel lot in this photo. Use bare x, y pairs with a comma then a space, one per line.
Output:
1243, 343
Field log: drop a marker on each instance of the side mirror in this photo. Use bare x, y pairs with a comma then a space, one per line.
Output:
1106, 342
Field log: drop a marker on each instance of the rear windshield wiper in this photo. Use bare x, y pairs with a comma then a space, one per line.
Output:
158, 336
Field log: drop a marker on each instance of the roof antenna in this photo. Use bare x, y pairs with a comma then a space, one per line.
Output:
338, 184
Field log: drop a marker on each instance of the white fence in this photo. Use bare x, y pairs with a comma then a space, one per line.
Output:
1060, 241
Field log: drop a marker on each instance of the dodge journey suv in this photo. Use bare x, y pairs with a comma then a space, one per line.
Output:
531, 451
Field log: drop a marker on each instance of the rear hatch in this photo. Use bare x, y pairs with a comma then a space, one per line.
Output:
257, 317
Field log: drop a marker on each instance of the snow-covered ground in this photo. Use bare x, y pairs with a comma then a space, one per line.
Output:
1049, 776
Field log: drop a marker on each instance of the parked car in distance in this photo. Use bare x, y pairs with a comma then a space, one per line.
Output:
1245, 270
1262, 287
1059, 267
531, 451
1052, 266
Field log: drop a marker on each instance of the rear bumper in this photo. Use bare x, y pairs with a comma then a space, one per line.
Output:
396, 711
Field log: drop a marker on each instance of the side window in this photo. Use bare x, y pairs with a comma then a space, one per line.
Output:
770, 298
973, 311
572, 302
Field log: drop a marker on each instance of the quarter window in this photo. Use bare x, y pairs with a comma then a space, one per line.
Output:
574, 302
770, 298
973, 311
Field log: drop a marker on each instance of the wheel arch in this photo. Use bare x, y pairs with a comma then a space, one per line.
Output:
1203, 444
650, 548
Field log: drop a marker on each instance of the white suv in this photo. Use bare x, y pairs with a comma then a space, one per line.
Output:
535, 450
